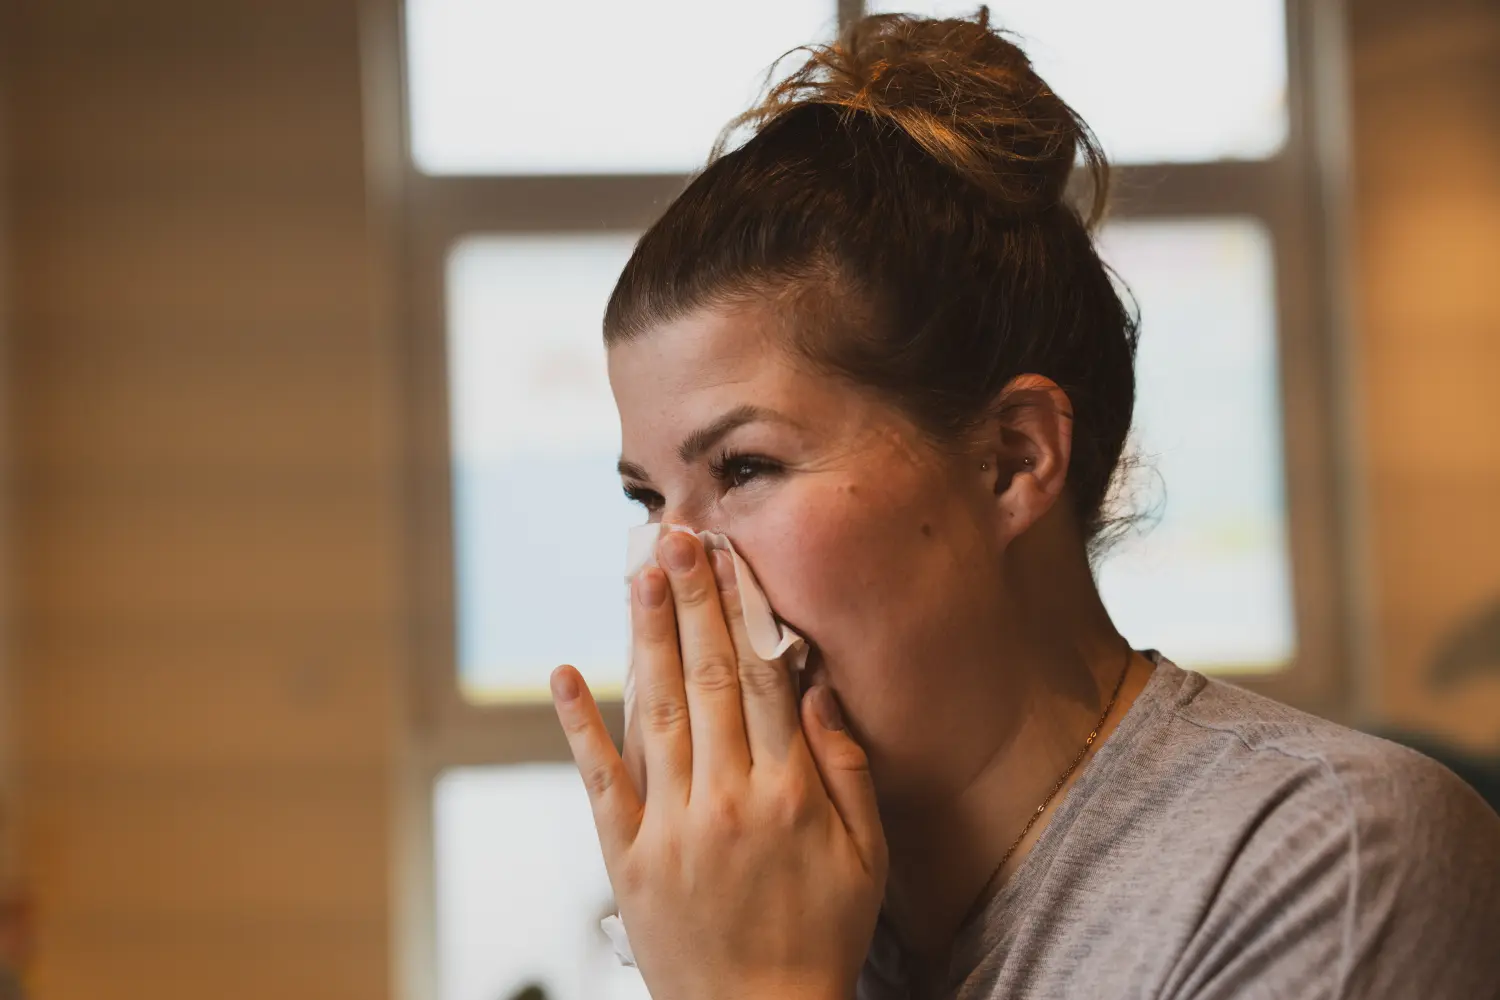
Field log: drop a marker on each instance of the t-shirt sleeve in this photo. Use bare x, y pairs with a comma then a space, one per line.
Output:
1370, 877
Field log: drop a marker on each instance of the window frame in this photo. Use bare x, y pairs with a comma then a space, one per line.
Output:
1297, 195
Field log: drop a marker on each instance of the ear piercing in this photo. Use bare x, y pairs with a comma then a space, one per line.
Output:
985, 466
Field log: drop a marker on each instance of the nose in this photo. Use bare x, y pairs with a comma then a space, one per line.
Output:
694, 517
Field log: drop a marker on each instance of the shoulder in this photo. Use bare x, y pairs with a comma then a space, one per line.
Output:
1351, 858
1352, 777
1300, 774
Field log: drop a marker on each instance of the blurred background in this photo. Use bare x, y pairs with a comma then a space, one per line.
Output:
308, 450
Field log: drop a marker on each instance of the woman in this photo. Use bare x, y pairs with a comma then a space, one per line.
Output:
875, 347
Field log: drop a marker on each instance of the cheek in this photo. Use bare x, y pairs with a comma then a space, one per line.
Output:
806, 547
884, 582
835, 559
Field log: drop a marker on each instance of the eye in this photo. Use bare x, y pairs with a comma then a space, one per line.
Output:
740, 470
649, 499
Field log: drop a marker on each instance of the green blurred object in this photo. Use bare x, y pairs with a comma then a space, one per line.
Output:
1471, 650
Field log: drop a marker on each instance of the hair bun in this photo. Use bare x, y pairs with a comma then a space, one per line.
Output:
961, 91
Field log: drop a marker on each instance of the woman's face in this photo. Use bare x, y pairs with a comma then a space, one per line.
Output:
870, 541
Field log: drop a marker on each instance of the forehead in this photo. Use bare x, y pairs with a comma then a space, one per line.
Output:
691, 369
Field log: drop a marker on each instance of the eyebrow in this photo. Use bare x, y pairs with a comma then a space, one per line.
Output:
629, 470
701, 440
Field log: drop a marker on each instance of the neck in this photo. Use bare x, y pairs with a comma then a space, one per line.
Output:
945, 847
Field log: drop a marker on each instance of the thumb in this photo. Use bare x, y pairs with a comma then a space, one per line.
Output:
845, 769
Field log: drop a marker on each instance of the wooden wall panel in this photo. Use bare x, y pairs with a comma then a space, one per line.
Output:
208, 650
8, 804
1426, 158
227, 958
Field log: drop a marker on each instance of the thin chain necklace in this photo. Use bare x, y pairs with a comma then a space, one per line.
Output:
984, 890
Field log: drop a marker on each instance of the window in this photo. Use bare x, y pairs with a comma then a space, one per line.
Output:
532, 172
537, 507
521, 888
635, 91
1223, 65
1211, 572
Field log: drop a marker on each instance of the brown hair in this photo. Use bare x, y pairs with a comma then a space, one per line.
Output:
904, 195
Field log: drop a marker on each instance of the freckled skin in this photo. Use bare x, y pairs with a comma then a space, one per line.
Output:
873, 543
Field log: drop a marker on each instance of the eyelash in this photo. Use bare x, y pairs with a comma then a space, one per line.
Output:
725, 467
732, 469
649, 499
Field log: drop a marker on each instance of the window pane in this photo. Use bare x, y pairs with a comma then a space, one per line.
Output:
539, 520
590, 87
521, 888
1157, 80
1210, 583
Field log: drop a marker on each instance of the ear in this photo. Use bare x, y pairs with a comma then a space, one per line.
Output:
1025, 450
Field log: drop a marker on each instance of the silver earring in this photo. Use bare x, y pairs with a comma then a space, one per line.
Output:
1026, 460
984, 466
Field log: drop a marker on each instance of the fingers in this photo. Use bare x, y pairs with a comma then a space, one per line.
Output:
846, 774
767, 692
660, 700
612, 795
710, 673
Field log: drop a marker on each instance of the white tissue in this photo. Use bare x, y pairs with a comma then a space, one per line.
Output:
614, 929
768, 637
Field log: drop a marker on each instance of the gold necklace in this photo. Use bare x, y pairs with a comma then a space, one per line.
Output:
984, 890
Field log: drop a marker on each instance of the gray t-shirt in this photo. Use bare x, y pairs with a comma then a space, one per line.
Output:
1221, 845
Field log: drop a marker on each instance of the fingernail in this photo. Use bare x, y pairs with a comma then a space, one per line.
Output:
564, 684
651, 587
677, 551
723, 564
827, 708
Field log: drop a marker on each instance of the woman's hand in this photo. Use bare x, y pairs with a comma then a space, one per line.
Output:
755, 866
